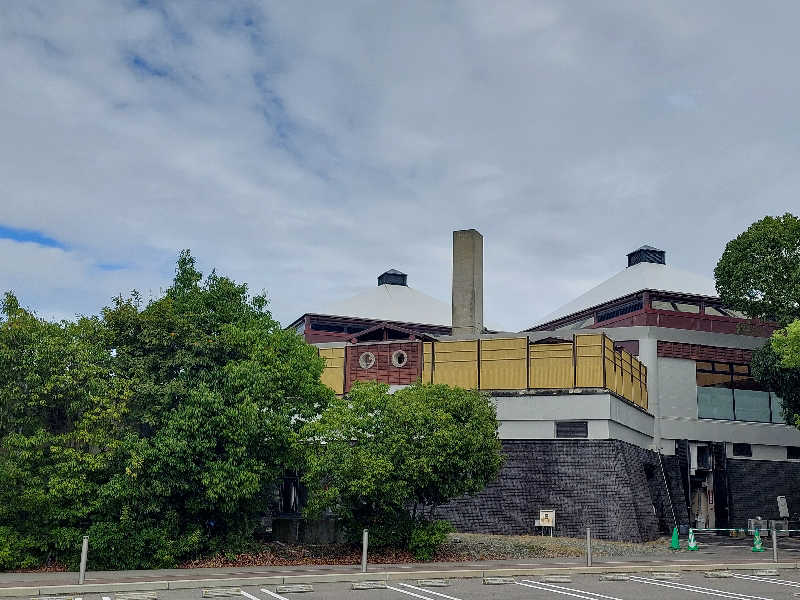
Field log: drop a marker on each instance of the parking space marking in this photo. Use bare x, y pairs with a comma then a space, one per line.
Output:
767, 580
413, 587
685, 587
267, 592
388, 587
557, 589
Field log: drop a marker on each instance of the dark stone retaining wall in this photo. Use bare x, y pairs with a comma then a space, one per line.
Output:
609, 485
754, 486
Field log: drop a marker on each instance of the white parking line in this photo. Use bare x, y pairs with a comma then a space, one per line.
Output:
767, 580
685, 587
413, 587
273, 594
561, 587
388, 587
106, 597
546, 588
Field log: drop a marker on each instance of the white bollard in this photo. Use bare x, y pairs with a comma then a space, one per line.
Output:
84, 556
774, 545
588, 546
364, 542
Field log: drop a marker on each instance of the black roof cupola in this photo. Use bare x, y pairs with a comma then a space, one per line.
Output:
646, 254
392, 277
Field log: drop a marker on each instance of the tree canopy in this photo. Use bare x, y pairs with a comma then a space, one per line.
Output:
160, 431
759, 274
385, 460
759, 271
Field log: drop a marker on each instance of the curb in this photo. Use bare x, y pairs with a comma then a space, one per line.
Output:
182, 584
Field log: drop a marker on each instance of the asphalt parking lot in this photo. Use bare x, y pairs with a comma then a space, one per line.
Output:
740, 586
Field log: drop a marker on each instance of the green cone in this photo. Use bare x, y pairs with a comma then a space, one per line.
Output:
692, 541
757, 545
676, 543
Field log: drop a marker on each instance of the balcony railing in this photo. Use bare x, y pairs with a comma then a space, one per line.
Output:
514, 363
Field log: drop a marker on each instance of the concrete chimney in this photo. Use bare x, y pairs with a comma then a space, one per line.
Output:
467, 283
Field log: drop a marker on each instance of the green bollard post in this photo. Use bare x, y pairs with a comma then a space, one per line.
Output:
676, 542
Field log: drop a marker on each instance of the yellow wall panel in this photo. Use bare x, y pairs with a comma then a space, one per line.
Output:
503, 364
551, 366
333, 375
427, 362
456, 363
589, 360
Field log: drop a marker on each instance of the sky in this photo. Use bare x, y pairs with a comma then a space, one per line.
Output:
306, 147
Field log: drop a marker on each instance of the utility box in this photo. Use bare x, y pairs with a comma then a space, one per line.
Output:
781, 527
758, 523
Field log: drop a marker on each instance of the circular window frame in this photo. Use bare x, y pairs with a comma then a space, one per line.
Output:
366, 360
397, 361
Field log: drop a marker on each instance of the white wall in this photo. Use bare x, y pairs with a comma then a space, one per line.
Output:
677, 387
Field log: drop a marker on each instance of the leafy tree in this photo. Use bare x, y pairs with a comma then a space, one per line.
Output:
385, 461
759, 271
160, 431
759, 274
62, 432
786, 344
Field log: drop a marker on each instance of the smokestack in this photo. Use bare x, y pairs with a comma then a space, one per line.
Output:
467, 283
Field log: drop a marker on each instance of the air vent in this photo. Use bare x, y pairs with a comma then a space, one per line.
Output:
742, 450
392, 277
647, 254
572, 429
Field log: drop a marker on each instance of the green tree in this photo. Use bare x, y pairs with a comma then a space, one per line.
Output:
159, 431
221, 391
759, 271
385, 460
62, 432
759, 274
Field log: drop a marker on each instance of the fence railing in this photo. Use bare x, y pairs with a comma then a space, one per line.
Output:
512, 363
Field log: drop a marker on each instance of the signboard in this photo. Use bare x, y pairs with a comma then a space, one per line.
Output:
783, 507
547, 518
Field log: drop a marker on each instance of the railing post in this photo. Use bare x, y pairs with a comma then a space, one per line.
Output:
774, 545
84, 556
364, 542
588, 546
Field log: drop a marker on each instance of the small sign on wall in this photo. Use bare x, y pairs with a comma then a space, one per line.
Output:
547, 518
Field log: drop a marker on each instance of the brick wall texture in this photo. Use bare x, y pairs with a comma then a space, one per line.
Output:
698, 352
754, 486
383, 370
609, 485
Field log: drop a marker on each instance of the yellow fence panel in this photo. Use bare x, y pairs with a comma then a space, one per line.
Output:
503, 364
333, 375
589, 359
551, 366
427, 362
456, 363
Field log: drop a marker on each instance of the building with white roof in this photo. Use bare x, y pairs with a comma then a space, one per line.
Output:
688, 444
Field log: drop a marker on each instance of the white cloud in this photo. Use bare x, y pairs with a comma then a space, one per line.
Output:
306, 147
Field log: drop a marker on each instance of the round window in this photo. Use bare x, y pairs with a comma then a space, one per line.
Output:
366, 360
399, 358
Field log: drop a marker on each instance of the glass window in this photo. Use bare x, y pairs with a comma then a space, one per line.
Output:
777, 408
690, 308
742, 450
711, 310
751, 405
736, 313
662, 305
714, 403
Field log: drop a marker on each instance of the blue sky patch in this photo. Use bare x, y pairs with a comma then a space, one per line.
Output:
29, 235
111, 266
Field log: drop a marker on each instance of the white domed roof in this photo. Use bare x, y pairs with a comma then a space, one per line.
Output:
393, 303
641, 276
